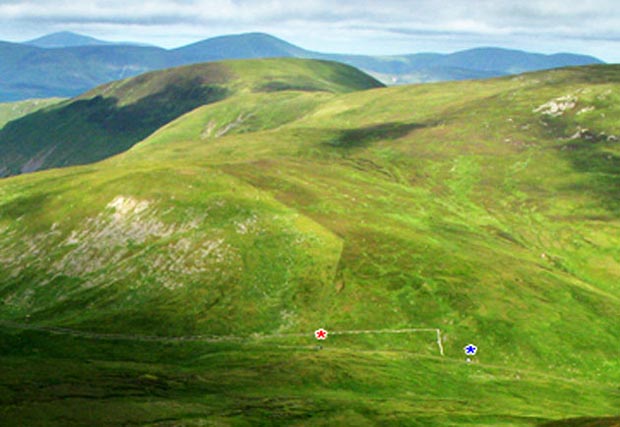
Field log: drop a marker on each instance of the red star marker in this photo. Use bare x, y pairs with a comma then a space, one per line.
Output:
320, 334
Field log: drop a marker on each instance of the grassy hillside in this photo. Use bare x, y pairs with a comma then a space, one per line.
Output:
14, 110
486, 209
110, 119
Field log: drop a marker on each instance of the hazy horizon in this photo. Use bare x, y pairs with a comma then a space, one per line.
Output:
392, 27
143, 43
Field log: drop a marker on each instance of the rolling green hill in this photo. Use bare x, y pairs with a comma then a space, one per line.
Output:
110, 119
179, 283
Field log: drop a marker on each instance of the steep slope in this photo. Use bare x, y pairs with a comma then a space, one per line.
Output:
111, 118
31, 72
486, 209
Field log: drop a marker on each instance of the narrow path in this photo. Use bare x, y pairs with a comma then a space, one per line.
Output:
204, 338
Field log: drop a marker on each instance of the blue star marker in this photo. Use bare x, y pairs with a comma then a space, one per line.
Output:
470, 350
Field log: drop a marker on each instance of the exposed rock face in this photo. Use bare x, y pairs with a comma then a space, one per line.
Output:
36, 162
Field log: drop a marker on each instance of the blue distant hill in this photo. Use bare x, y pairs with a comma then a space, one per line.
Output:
66, 64
66, 39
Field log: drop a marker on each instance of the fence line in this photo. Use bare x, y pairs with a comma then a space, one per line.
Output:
206, 338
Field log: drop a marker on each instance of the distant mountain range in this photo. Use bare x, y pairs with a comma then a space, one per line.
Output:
66, 64
66, 39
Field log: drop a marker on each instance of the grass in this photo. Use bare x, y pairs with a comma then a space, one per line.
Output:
249, 384
14, 110
455, 206
112, 118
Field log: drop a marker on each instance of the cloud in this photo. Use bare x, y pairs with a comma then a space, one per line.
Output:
402, 22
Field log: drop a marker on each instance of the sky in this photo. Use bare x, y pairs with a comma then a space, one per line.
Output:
344, 26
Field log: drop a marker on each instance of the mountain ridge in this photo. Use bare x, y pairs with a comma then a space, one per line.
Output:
32, 72
65, 39
115, 116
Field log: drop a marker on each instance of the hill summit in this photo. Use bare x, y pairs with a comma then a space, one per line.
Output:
242, 46
112, 118
65, 39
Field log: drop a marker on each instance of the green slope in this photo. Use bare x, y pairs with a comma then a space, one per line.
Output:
486, 209
14, 110
113, 117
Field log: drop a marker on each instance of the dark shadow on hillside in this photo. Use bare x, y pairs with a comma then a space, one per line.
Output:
279, 86
602, 169
24, 205
89, 130
362, 137
151, 112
